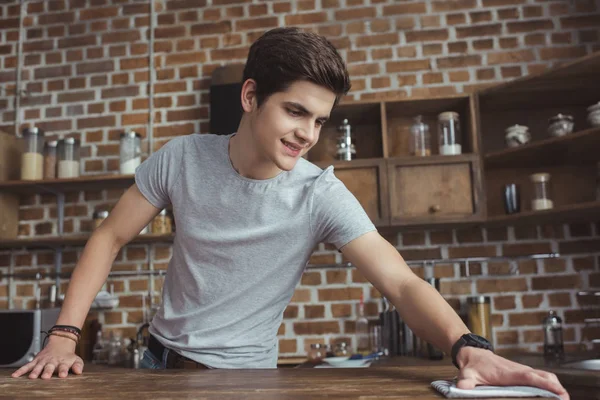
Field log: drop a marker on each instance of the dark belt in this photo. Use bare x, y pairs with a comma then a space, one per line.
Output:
174, 360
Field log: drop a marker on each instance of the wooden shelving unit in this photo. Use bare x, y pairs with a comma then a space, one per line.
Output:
581, 212
575, 149
74, 241
100, 182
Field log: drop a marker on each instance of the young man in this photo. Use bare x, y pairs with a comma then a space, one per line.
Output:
249, 211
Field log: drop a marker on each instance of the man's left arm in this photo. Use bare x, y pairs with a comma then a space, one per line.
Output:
431, 318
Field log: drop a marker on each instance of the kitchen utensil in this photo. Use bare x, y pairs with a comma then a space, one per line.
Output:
512, 198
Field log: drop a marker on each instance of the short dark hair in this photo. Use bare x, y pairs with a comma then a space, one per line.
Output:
282, 56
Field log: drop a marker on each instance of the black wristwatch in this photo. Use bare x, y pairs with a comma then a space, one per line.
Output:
472, 340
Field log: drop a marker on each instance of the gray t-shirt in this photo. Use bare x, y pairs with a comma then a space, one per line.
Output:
240, 247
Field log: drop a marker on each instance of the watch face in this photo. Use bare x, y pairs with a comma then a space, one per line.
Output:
480, 340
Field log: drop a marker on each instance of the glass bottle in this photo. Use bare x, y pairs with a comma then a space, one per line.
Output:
420, 140
449, 133
130, 152
50, 159
316, 353
32, 158
362, 330
68, 158
553, 338
479, 316
341, 350
542, 199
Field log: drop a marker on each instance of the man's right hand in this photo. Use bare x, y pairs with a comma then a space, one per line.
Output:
58, 356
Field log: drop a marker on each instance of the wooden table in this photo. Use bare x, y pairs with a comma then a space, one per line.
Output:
381, 382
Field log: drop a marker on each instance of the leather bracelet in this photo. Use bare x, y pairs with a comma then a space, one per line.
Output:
71, 327
65, 336
65, 329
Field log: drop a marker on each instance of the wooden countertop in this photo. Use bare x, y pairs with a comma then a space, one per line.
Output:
398, 378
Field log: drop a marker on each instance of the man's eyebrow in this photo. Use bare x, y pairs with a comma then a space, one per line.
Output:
304, 110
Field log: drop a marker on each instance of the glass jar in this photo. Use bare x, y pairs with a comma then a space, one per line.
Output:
316, 353
449, 133
68, 158
32, 158
479, 316
50, 159
553, 338
341, 350
541, 192
99, 216
560, 125
161, 224
130, 152
420, 140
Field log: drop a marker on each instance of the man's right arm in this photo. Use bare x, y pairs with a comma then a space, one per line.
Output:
129, 216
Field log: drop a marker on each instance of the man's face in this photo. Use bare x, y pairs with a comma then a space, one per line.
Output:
288, 123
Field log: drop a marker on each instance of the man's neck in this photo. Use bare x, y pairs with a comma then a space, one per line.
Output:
245, 157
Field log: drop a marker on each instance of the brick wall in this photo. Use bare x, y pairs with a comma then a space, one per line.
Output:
86, 72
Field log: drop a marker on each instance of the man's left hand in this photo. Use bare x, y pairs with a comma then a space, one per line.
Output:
482, 367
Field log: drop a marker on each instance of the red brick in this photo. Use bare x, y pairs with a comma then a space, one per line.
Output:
190, 114
182, 4
507, 337
306, 18
553, 265
508, 13
532, 300
497, 3
530, 26
124, 91
314, 311
406, 8
459, 61
455, 287
427, 35
525, 319
556, 282
456, 19
79, 41
501, 285
291, 311
97, 13
52, 72
288, 346
562, 53
377, 40
579, 22
316, 328
341, 310
404, 66
337, 276
579, 246
229, 54
430, 21
458, 47
413, 238
311, 278
432, 49
211, 28
382, 82
95, 67
504, 303
583, 263
471, 251
511, 72
96, 122
479, 30
405, 23
355, 13
559, 299
527, 267
56, 18
340, 294
518, 249
256, 23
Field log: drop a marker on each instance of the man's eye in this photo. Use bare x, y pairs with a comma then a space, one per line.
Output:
294, 113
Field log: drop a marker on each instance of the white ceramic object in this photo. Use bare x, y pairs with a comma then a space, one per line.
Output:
594, 108
336, 360
594, 118
517, 135
105, 300
348, 363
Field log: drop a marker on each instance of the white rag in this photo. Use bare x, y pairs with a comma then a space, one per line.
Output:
449, 390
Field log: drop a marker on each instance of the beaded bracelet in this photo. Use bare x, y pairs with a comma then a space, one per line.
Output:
74, 328
65, 329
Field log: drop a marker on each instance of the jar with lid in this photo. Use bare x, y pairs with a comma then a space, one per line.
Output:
161, 224
99, 216
130, 152
449, 133
542, 199
479, 320
553, 338
341, 350
420, 140
316, 353
68, 158
50, 159
560, 125
32, 158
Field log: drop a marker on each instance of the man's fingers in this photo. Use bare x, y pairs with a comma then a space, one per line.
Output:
531, 377
38, 369
48, 371
24, 369
552, 377
63, 370
77, 367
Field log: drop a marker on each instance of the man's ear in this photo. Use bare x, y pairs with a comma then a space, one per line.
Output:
248, 95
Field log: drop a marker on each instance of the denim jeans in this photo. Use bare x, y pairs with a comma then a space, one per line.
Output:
149, 360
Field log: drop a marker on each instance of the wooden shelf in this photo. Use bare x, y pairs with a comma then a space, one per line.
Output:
68, 185
74, 241
588, 211
575, 149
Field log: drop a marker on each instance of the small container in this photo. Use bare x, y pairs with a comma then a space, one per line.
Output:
161, 224
99, 216
32, 158
449, 133
317, 353
517, 135
341, 350
542, 199
50, 159
553, 336
479, 316
560, 125
420, 139
130, 153
68, 158
594, 114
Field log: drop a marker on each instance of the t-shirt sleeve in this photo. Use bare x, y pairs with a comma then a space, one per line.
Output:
337, 217
156, 176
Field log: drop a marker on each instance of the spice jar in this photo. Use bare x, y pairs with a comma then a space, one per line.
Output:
541, 192
50, 159
420, 141
161, 224
449, 133
560, 125
68, 158
341, 350
130, 153
316, 353
479, 316
32, 158
553, 338
99, 216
